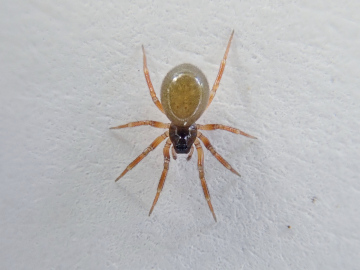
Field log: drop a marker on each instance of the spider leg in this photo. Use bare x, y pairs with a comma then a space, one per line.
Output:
164, 173
221, 71
227, 128
173, 153
151, 147
202, 175
144, 123
191, 153
208, 145
148, 80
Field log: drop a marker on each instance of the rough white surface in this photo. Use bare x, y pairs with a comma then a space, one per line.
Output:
71, 69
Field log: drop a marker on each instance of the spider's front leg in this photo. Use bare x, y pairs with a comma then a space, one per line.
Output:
202, 175
208, 145
151, 147
164, 173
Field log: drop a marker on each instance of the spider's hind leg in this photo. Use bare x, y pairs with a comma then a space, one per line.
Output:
221, 71
148, 81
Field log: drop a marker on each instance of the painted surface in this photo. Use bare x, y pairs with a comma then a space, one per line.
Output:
70, 70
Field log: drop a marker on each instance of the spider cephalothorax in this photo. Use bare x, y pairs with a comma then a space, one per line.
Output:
185, 95
182, 138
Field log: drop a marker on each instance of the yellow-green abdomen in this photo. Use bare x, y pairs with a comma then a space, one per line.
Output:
184, 94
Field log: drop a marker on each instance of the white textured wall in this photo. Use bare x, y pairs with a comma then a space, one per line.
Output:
69, 70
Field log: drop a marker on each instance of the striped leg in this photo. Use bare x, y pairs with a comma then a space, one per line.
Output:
215, 154
144, 123
227, 128
221, 71
151, 147
148, 80
164, 173
202, 175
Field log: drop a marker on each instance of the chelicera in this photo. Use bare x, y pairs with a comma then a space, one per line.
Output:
185, 95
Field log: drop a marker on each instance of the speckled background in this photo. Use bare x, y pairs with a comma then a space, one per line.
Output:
71, 69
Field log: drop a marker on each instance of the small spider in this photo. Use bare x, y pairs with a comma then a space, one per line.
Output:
185, 95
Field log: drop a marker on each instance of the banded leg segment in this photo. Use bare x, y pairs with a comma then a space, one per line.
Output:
202, 175
221, 71
151, 147
148, 81
164, 173
227, 128
215, 154
155, 124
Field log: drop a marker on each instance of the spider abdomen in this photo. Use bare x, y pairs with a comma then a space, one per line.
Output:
184, 94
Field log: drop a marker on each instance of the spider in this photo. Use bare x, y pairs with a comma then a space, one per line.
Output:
185, 95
